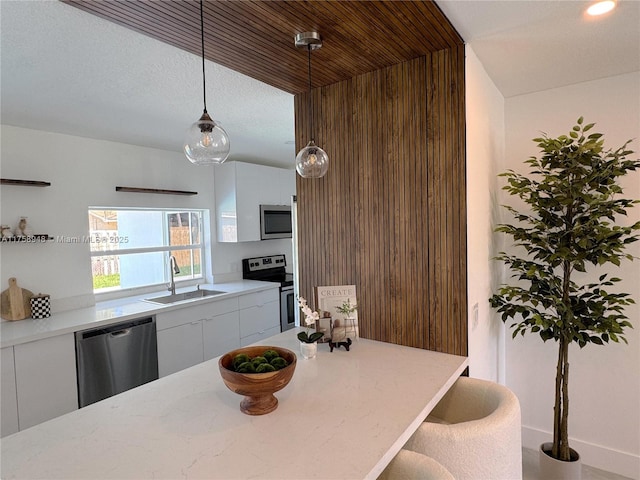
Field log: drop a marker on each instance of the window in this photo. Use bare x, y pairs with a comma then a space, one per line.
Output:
130, 248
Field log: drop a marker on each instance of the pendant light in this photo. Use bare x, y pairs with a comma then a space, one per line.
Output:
312, 161
206, 142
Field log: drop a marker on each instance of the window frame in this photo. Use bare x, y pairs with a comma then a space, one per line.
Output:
119, 292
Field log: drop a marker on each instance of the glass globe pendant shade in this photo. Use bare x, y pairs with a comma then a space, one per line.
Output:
312, 161
206, 142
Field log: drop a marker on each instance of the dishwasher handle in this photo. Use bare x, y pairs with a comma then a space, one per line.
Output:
121, 333
114, 331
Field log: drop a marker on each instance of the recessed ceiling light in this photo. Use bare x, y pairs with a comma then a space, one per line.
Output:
601, 7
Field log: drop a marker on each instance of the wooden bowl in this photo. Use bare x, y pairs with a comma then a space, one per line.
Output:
258, 388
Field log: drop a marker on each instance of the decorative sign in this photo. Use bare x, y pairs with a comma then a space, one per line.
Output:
341, 303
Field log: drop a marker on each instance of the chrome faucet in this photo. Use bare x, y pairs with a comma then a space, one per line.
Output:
173, 267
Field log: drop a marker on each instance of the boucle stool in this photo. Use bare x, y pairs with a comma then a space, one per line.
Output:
408, 465
474, 432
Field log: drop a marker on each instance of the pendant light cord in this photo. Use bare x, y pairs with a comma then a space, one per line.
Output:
310, 102
204, 81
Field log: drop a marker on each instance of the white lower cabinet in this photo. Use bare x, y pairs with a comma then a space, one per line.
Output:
9, 405
259, 316
179, 347
258, 336
220, 334
45, 375
191, 335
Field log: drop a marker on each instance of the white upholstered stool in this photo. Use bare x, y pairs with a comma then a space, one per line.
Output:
474, 432
408, 465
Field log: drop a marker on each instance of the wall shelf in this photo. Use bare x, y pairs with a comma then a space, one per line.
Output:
154, 190
24, 183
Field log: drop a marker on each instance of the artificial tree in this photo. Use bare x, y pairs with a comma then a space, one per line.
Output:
570, 226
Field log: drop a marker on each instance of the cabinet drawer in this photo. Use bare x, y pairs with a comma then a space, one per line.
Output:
181, 316
260, 318
259, 298
220, 307
256, 337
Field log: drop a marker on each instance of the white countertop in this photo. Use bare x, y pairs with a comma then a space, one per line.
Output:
104, 313
344, 415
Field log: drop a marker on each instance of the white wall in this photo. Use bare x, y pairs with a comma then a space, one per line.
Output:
604, 388
485, 158
85, 172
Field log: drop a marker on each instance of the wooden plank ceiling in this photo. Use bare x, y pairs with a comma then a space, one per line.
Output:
256, 38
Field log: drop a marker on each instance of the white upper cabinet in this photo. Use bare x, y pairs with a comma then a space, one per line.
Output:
240, 189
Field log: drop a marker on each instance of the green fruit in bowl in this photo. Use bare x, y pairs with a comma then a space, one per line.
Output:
270, 355
243, 363
258, 360
246, 367
279, 363
265, 367
240, 359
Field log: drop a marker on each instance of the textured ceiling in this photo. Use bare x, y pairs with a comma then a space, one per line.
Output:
65, 70
255, 37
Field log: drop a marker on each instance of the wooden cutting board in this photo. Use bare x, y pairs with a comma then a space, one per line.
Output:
15, 302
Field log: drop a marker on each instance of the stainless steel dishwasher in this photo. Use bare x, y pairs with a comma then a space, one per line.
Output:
115, 358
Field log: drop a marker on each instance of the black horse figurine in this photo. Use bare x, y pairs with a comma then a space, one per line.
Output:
346, 344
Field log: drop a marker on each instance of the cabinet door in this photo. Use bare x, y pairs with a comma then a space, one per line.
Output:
240, 190
250, 187
179, 347
45, 379
287, 185
220, 334
9, 395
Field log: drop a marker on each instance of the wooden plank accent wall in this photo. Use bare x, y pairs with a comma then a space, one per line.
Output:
390, 215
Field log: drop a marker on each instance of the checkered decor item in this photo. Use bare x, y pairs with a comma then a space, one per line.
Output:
40, 306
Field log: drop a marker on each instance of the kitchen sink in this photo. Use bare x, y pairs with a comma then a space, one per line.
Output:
179, 297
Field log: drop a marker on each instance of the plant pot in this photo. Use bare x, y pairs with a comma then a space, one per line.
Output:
553, 469
308, 350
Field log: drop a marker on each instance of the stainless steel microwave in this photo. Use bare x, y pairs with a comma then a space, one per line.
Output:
275, 221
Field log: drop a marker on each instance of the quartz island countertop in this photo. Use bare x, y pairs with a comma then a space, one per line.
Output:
344, 415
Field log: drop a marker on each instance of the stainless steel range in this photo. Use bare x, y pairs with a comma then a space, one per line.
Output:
272, 268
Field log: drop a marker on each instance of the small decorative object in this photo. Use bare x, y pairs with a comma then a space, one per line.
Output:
324, 324
6, 231
572, 225
309, 350
257, 387
340, 301
15, 302
308, 345
346, 344
23, 229
40, 306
